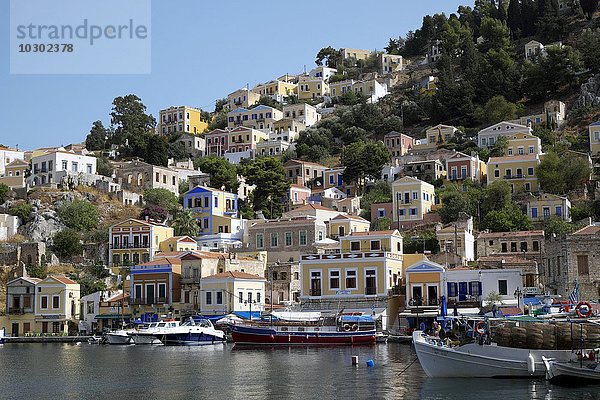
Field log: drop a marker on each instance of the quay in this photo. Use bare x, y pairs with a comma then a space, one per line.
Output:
46, 339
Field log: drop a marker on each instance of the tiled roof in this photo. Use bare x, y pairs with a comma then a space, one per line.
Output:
63, 279
161, 260
234, 274
510, 234
354, 217
588, 230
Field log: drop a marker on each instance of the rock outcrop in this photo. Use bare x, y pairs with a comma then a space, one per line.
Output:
590, 93
42, 226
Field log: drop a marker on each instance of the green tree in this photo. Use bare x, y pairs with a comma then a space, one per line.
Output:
223, 174
381, 224
185, 223
67, 243
130, 119
588, 45
497, 109
499, 147
22, 211
98, 137
80, 215
553, 73
381, 192
4, 190
424, 241
364, 159
331, 56
220, 104
103, 166
162, 198
219, 121
557, 226
515, 19
496, 197
560, 174
155, 213
508, 219
272, 186
157, 150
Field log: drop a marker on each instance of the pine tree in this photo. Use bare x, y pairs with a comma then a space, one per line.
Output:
515, 19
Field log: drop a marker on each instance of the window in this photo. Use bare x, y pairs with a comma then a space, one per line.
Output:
531, 149
240, 297
249, 297
260, 241
334, 279
55, 302
302, 236
274, 239
74, 166
504, 247
354, 246
415, 195
370, 282
351, 279
546, 212
559, 211
502, 287
582, 264
375, 245
530, 171
219, 297
162, 291
44, 302
497, 173
315, 283
288, 238
258, 297
208, 297
534, 212
536, 245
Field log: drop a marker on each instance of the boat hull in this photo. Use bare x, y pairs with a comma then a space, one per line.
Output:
139, 338
263, 336
570, 373
189, 339
481, 361
119, 339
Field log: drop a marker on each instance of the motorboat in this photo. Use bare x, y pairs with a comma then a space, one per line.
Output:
119, 336
191, 332
574, 372
342, 330
147, 335
439, 358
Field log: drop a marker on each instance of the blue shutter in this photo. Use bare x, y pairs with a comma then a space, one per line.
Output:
479, 287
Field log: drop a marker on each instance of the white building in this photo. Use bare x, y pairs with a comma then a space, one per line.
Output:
194, 145
322, 72
461, 284
53, 166
8, 226
301, 112
389, 63
8, 155
90, 308
487, 137
232, 291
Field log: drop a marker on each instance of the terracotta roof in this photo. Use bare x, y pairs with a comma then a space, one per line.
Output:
162, 260
172, 254
199, 255
234, 274
354, 217
526, 157
510, 234
588, 230
63, 279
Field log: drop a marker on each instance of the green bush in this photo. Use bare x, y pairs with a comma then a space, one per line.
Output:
22, 211
80, 215
67, 243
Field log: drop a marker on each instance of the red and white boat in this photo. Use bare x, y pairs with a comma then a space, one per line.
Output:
342, 330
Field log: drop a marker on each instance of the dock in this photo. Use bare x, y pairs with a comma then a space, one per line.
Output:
45, 339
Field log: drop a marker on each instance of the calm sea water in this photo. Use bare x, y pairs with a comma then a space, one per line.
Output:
57, 371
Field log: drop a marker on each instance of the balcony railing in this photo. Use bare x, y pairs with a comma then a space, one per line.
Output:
123, 246
150, 301
17, 310
516, 176
315, 292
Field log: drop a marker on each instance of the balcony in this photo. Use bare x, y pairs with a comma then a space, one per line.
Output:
230, 211
516, 176
150, 301
190, 279
17, 310
124, 246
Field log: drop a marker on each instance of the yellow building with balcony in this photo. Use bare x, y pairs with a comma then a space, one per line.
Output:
134, 241
368, 265
517, 170
412, 199
259, 117
436, 136
276, 89
311, 88
339, 88
424, 282
242, 98
181, 119
343, 225
522, 143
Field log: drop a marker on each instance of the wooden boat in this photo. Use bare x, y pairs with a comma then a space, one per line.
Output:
572, 373
345, 330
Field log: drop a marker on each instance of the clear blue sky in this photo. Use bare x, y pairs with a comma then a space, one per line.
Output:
201, 51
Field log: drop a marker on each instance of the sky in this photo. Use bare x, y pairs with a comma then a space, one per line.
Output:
200, 52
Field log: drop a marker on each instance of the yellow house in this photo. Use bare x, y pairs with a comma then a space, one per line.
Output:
369, 265
133, 241
276, 89
56, 305
594, 132
243, 139
424, 284
357, 54
436, 136
178, 243
334, 178
230, 292
522, 143
546, 205
20, 305
340, 87
310, 88
181, 119
259, 117
242, 98
343, 225
412, 199
518, 171
14, 174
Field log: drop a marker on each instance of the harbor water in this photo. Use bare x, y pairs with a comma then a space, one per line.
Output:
84, 371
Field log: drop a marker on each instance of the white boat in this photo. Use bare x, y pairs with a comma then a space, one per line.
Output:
2, 335
192, 332
572, 372
120, 336
148, 335
474, 360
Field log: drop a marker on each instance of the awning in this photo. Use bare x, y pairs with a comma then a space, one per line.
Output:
246, 314
425, 314
112, 316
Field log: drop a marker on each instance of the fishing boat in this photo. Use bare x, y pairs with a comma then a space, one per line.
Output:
571, 373
119, 336
342, 330
191, 332
147, 335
